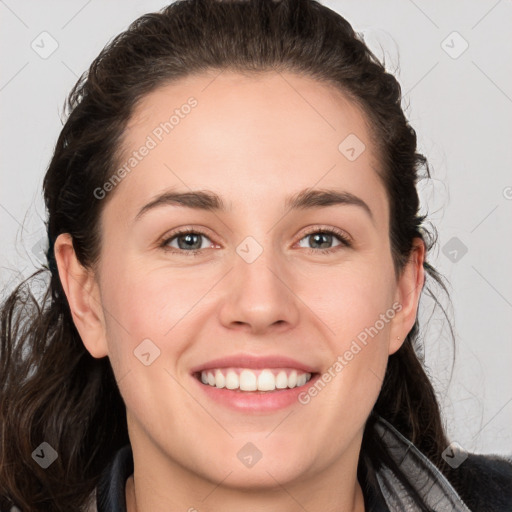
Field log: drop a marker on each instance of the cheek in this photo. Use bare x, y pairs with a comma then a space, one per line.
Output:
358, 307
151, 311
149, 302
146, 318
359, 313
350, 299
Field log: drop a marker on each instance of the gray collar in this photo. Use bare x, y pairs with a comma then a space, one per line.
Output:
433, 487
425, 477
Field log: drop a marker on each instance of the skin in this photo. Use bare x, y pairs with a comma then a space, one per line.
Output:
254, 140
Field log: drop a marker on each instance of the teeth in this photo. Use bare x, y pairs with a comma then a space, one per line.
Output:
266, 381
220, 380
292, 379
232, 381
249, 380
281, 380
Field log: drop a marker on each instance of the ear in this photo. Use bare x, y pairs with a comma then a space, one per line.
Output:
83, 296
409, 287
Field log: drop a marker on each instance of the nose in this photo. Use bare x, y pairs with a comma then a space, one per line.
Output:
259, 294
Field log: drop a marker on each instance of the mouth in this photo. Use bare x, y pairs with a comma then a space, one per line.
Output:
249, 380
252, 384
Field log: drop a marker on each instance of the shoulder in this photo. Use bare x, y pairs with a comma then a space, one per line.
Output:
484, 482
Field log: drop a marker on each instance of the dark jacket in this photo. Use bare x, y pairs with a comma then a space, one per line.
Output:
483, 482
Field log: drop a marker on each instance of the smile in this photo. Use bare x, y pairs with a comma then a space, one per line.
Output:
245, 379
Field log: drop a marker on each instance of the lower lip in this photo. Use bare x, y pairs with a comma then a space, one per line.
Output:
255, 401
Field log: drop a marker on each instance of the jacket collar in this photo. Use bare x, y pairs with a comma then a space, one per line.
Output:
427, 480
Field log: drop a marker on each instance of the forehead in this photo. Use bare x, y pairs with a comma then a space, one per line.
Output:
270, 103
270, 132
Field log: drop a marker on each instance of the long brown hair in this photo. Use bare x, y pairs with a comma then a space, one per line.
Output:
51, 389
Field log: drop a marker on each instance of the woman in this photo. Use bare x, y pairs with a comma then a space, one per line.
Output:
196, 349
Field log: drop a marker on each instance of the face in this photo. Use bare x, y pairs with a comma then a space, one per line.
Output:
267, 283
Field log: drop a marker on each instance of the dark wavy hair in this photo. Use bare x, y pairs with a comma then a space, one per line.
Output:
51, 388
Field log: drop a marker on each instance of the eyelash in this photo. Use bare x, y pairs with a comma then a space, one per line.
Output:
345, 241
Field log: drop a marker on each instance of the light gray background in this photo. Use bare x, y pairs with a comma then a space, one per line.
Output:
460, 107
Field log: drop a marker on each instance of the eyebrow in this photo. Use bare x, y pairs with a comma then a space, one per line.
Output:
210, 201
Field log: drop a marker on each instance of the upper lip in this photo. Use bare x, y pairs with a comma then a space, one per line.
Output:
254, 362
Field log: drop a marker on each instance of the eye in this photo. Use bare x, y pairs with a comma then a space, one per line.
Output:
324, 237
189, 242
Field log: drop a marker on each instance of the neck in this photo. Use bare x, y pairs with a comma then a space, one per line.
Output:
151, 489
289, 503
